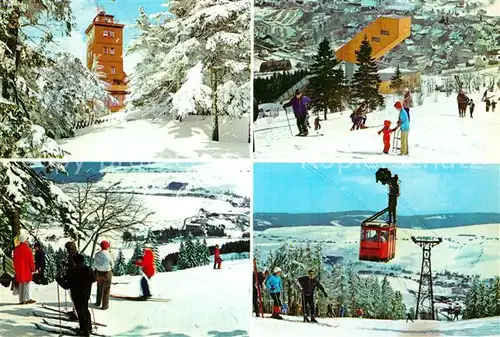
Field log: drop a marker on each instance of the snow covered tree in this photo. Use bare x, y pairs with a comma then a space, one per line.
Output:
151, 239
203, 253
386, 295
61, 261
398, 308
196, 60
366, 81
397, 82
132, 269
340, 285
50, 264
182, 260
472, 299
327, 86
120, 267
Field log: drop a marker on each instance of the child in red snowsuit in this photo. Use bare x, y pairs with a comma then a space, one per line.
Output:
217, 258
387, 135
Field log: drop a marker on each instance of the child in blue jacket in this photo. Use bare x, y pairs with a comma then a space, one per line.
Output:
274, 285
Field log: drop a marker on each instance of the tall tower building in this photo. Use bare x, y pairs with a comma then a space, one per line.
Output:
105, 51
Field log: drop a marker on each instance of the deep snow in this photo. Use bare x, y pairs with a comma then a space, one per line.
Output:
218, 306
371, 327
146, 140
437, 134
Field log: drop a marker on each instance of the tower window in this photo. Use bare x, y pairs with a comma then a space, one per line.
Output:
113, 70
375, 39
105, 50
112, 51
104, 33
112, 33
384, 32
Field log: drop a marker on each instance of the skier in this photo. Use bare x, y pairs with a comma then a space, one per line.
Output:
456, 312
148, 269
408, 317
24, 267
462, 101
493, 105
217, 258
317, 125
103, 265
404, 124
358, 117
488, 103
274, 285
472, 105
299, 104
79, 281
342, 311
359, 313
407, 102
72, 250
39, 276
308, 284
387, 135
257, 287
329, 310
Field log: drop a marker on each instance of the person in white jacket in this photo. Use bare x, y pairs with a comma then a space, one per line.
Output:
103, 265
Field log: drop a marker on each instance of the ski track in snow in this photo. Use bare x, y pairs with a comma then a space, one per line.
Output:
217, 305
147, 140
437, 134
371, 327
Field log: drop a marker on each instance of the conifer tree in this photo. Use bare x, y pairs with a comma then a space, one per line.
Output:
151, 240
386, 295
366, 81
182, 261
132, 269
397, 82
61, 261
472, 301
398, 308
50, 264
205, 253
120, 268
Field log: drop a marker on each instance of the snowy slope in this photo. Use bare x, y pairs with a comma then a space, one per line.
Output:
437, 134
217, 306
371, 327
145, 140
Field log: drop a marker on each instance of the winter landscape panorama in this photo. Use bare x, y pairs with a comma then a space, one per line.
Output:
370, 276
439, 59
125, 80
150, 231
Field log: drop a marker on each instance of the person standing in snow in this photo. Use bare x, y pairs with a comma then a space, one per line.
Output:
408, 317
24, 267
39, 276
407, 102
79, 282
359, 313
472, 105
103, 265
309, 284
275, 285
329, 310
488, 104
462, 101
72, 250
217, 258
299, 104
387, 135
404, 125
493, 105
342, 311
148, 269
257, 281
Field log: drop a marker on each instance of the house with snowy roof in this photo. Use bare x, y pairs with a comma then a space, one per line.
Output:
411, 78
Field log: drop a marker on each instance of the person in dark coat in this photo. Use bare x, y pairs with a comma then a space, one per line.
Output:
493, 106
408, 317
472, 105
39, 276
72, 250
299, 104
309, 284
329, 310
462, 101
257, 282
79, 281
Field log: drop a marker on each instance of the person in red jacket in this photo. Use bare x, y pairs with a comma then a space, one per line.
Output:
24, 267
217, 258
387, 135
148, 269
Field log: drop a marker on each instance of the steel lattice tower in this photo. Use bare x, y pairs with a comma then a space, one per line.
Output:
425, 292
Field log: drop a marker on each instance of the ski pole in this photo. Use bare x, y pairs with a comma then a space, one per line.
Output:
59, 304
286, 113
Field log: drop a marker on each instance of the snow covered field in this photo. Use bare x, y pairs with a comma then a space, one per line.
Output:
437, 134
146, 140
217, 307
371, 327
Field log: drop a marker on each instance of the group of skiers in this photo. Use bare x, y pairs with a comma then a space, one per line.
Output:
77, 278
464, 101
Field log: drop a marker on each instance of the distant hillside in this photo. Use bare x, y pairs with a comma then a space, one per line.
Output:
263, 221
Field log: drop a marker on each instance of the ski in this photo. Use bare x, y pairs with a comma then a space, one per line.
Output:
56, 310
70, 328
133, 298
62, 318
62, 332
315, 135
318, 323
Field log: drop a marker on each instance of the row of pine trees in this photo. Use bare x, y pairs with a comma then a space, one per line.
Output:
483, 299
328, 86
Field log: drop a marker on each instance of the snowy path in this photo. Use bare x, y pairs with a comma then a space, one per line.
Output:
437, 135
146, 140
205, 302
370, 327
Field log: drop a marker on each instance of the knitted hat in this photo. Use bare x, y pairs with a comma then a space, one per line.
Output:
23, 237
105, 245
398, 105
277, 270
387, 123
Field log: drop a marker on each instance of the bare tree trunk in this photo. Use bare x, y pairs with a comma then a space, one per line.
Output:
94, 244
215, 110
15, 222
12, 34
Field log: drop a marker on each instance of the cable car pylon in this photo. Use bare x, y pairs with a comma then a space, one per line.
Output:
426, 277
378, 238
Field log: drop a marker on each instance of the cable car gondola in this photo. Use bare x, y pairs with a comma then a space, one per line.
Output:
378, 238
